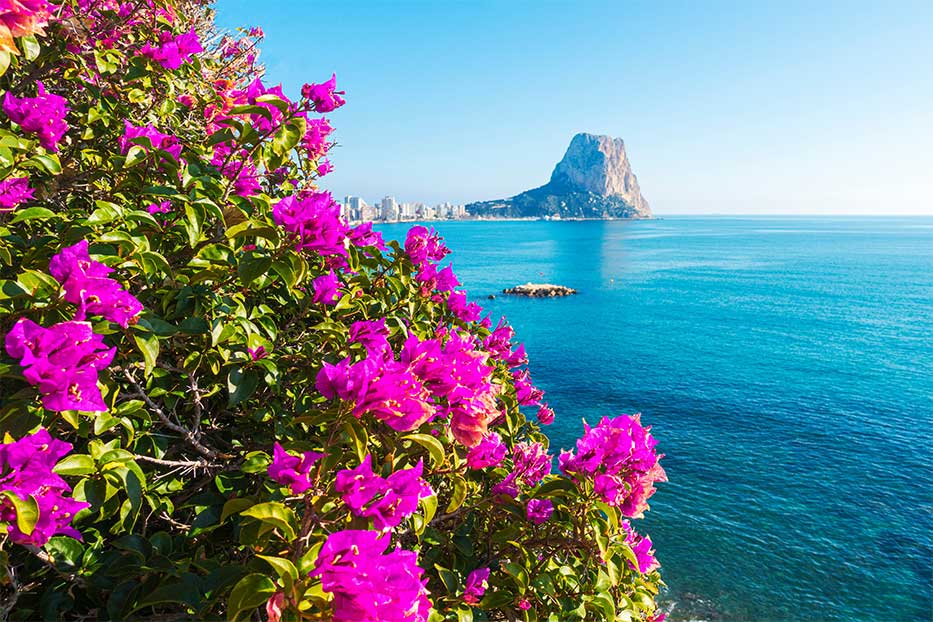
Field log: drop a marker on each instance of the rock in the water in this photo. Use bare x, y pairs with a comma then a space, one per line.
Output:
540, 290
593, 180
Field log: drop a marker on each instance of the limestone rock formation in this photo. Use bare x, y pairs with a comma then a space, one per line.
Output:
593, 180
540, 290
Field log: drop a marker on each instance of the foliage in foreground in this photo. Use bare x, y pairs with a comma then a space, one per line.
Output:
219, 400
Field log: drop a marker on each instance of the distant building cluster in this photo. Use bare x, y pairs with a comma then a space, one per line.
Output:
356, 209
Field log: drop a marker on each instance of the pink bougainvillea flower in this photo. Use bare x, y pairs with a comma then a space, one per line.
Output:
162, 207
423, 244
545, 415
324, 96
257, 353
326, 289
324, 167
458, 305
387, 501
476, 584
363, 235
87, 285
315, 221
26, 471
531, 462
490, 452
274, 607
315, 139
13, 191
372, 335
525, 392
175, 51
62, 361
446, 280
292, 471
641, 546
43, 115
539, 510
155, 138
368, 584
524, 604
22, 18
619, 455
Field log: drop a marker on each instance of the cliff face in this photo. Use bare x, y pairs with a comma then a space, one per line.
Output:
593, 180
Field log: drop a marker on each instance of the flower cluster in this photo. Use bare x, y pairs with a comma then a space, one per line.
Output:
641, 547
424, 246
442, 377
326, 289
26, 471
539, 510
63, 361
315, 221
488, 453
387, 501
154, 138
369, 584
43, 115
476, 584
530, 463
173, 51
21, 18
13, 191
324, 96
292, 471
87, 285
619, 455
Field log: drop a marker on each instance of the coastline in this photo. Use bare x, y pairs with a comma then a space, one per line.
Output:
516, 219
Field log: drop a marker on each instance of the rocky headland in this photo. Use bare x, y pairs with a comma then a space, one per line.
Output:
593, 180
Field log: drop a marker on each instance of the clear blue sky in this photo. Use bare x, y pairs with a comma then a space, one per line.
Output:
733, 107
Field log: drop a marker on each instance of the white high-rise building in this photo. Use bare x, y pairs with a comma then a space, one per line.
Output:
390, 211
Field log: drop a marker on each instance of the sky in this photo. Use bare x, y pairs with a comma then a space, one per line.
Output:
787, 107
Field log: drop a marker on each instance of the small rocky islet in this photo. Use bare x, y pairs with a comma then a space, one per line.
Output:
540, 290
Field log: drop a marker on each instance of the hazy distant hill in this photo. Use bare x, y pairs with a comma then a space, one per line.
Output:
593, 180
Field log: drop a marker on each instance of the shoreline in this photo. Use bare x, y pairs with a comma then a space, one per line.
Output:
531, 219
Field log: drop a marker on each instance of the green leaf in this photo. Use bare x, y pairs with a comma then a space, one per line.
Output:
459, 493
27, 511
250, 593
449, 579
428, 507
251, 267
358, 436
4, 62
47, 162
104, 61
33, 213
517, 573
241, 384
135, 155
255, 462
277, 515
148, 344
235, 506
76, 464
434, 447
31, 47
184, 590
283, 567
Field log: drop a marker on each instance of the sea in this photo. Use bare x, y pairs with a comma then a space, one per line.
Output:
786, 366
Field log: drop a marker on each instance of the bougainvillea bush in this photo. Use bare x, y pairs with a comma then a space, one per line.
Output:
219, 400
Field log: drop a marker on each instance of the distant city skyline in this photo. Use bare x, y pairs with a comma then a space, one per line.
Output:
725, 107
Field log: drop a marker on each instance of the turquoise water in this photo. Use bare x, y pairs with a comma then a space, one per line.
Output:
787, 368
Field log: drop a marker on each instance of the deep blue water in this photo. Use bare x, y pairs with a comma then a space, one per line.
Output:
787, 368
